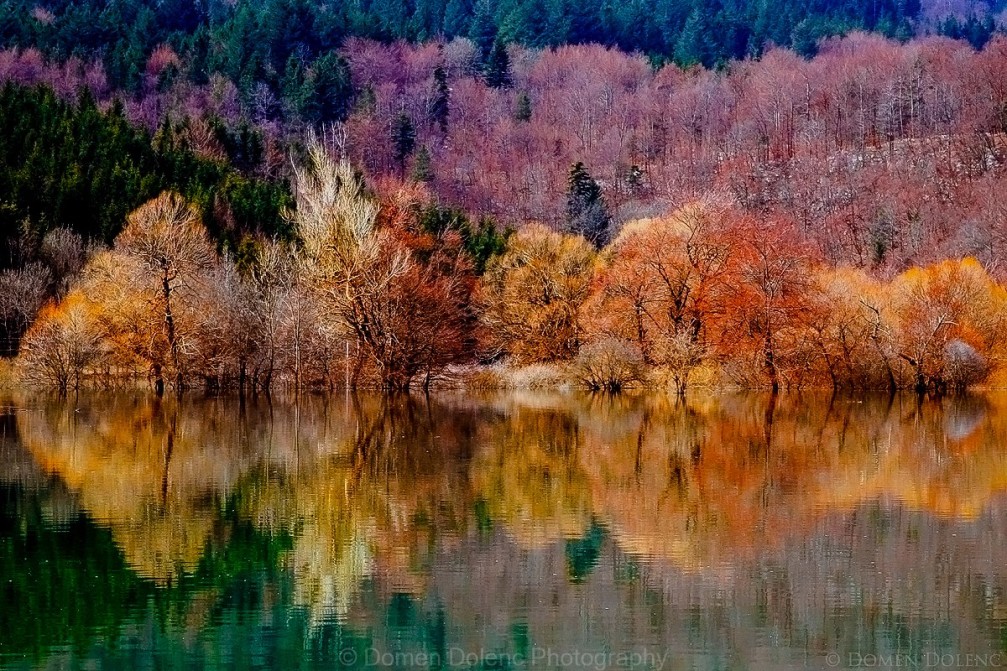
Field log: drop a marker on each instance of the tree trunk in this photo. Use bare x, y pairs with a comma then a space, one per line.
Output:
169, 323
774, 377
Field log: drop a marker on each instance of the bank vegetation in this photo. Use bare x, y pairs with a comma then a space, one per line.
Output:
375, 293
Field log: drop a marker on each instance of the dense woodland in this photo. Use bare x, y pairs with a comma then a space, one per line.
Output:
271, 42
313, 209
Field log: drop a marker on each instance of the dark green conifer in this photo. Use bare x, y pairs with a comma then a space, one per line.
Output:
586, 211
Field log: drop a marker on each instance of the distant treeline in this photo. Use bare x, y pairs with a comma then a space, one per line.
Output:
274, 41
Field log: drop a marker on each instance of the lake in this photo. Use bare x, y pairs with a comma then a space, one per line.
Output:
517, 530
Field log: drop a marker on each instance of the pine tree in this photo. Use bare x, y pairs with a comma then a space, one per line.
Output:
403, 139
331, 89
440, 105
456, 18
367, 100
692, 47
422, 168
522, 112
296, 89
484, 29
526, 23
586, 211
497, 68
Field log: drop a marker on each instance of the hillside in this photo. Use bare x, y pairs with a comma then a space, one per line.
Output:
268, 42
360, 196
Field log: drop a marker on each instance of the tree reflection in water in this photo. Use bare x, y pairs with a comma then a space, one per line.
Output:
730, 529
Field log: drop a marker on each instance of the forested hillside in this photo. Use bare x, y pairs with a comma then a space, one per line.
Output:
272, 42
75, 166
238, 193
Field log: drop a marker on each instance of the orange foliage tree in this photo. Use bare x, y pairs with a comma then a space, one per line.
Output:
62, 344
767, 304
663, 283
147, 288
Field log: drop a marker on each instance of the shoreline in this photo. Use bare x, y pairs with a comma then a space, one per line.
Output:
556, 377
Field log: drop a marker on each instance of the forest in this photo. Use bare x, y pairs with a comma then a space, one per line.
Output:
292, 196
268, 42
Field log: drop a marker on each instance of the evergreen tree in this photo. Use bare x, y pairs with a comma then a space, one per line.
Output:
240, 40
296, 88
527, 23
440, 104
692, 47
484, 29
403, 140
427, 19
558, 23
422, 168
482, 241
366, 100
804, 39
331, 89
585, 25
586, 211
85, 169
497, 68
456, 18
522, 112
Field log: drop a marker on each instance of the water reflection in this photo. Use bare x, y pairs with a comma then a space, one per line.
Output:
727, 531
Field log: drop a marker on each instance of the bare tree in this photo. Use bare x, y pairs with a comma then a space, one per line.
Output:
167, 238
63, 342
64, 252
22, 294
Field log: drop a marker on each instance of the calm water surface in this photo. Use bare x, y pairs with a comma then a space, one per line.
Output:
507, 531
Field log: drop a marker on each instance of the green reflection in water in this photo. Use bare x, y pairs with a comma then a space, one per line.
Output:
60, 584
582, 553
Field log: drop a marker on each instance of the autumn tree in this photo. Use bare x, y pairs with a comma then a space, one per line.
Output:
62, 345
167, 238
851, 323
406, 313
532, 294
663, 285
146, 288
769, 291
948, 323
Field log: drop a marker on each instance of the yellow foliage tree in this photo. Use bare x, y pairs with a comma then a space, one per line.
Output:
948, 320
851, 325
532, 294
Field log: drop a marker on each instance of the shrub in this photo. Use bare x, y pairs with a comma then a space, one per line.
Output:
610, 364
963, 365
